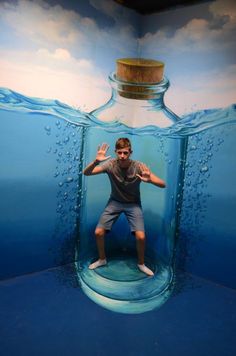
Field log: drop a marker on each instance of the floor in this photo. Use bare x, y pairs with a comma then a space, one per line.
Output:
46, 313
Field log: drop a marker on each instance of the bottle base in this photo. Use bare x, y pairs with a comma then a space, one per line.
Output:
121, 287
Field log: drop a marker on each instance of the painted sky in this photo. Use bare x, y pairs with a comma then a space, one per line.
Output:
198, 46
66, 49
52, 51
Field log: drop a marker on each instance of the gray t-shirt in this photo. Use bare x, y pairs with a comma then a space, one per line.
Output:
124, 182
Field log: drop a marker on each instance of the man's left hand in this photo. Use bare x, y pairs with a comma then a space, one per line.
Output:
145, 173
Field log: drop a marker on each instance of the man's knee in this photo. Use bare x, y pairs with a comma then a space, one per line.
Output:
140, 235
100, 232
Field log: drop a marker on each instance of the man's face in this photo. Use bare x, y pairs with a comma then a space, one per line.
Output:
123, 154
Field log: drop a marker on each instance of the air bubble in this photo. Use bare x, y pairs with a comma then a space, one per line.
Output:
69, 179
48, 130
204, 169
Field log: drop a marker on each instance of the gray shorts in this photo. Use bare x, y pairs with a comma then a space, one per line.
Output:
132, 211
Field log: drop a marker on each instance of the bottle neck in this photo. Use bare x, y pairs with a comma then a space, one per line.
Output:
136, 105
146, 93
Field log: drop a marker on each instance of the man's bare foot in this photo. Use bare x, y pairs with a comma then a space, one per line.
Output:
98, 263
145, 270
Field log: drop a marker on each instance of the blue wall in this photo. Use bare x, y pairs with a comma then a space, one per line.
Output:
69, 58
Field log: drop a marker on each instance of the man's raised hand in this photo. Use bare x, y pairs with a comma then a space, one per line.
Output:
101, 152
145, 173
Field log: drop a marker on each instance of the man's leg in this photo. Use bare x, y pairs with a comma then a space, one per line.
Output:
107, 219
140, 244
99, 234
134, 215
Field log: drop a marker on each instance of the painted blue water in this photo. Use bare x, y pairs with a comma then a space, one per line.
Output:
49, 211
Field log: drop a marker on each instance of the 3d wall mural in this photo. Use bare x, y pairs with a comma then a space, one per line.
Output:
60, 98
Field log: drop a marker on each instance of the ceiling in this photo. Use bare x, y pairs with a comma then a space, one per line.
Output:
145, 7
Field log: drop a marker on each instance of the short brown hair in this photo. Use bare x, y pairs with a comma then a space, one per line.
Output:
123, 142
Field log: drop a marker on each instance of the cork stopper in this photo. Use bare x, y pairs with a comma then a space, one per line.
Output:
138, 76
139, 70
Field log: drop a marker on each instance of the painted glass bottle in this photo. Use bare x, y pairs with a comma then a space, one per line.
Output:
135, 110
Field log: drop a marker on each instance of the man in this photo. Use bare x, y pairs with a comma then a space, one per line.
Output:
125, 177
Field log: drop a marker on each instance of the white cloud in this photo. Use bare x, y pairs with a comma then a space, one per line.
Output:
54, 26
60, 58
53, 51
211, 89
198, 55
54, 75
224, 8
40, 23
198, 34
59, 53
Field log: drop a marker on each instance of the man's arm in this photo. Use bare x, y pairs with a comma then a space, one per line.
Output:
148, 177
93, 167
156, 181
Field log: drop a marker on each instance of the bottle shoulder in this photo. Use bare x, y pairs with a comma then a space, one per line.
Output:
136, 114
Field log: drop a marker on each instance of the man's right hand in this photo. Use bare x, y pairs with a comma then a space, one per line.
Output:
101, 153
